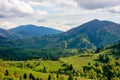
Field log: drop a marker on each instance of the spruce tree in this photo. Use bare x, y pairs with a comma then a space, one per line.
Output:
71, 67
25, 76
57, 76
49, 77
6, 73
30, 76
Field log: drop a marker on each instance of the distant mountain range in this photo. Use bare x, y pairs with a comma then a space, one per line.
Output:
92, 34
32, 30
8, 34
4, 33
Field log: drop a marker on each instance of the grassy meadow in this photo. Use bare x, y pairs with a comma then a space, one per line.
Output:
36, 67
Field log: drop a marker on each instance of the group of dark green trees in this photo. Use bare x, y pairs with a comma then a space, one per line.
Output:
29, 54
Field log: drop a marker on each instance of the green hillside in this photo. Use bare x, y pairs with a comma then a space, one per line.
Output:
104, 64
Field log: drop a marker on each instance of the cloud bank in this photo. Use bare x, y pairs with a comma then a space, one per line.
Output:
97, 4
17, 8
23, 8
6, 25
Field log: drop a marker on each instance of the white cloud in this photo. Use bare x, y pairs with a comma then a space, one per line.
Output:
69, 3
21, 8
15, 8
39, 3
115, 9
6, 25
41, 13
87, 4
82, 4
47, 3
97, 4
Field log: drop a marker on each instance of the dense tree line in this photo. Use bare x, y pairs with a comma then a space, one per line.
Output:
27, 54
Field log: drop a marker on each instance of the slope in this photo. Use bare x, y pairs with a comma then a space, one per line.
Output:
99, 33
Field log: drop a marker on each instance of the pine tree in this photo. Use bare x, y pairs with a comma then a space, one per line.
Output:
22, 65
96, 64
25, 76
30, 76
107, 58
6, 73
45, 70
101, 57
49, 77
58, 76
89, 63
37, 79
71, 67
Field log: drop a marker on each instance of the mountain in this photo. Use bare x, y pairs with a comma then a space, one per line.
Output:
32, 30
7, 34
93, 34
4, 33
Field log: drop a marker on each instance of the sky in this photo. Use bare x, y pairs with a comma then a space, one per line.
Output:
58, 14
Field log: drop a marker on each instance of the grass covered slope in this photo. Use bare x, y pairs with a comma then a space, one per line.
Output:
102, 65
78, 61
39, 69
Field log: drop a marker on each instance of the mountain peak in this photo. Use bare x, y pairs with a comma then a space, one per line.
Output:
96, 20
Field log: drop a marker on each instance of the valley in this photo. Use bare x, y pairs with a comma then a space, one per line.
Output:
90, 51
59, 39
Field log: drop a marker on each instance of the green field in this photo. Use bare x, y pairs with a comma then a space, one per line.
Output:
42, 68
36, 66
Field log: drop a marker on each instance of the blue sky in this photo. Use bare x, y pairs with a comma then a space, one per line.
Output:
58, 14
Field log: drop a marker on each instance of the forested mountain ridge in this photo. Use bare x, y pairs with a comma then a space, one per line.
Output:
8, 34
33, 30
97, 32
92, 34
